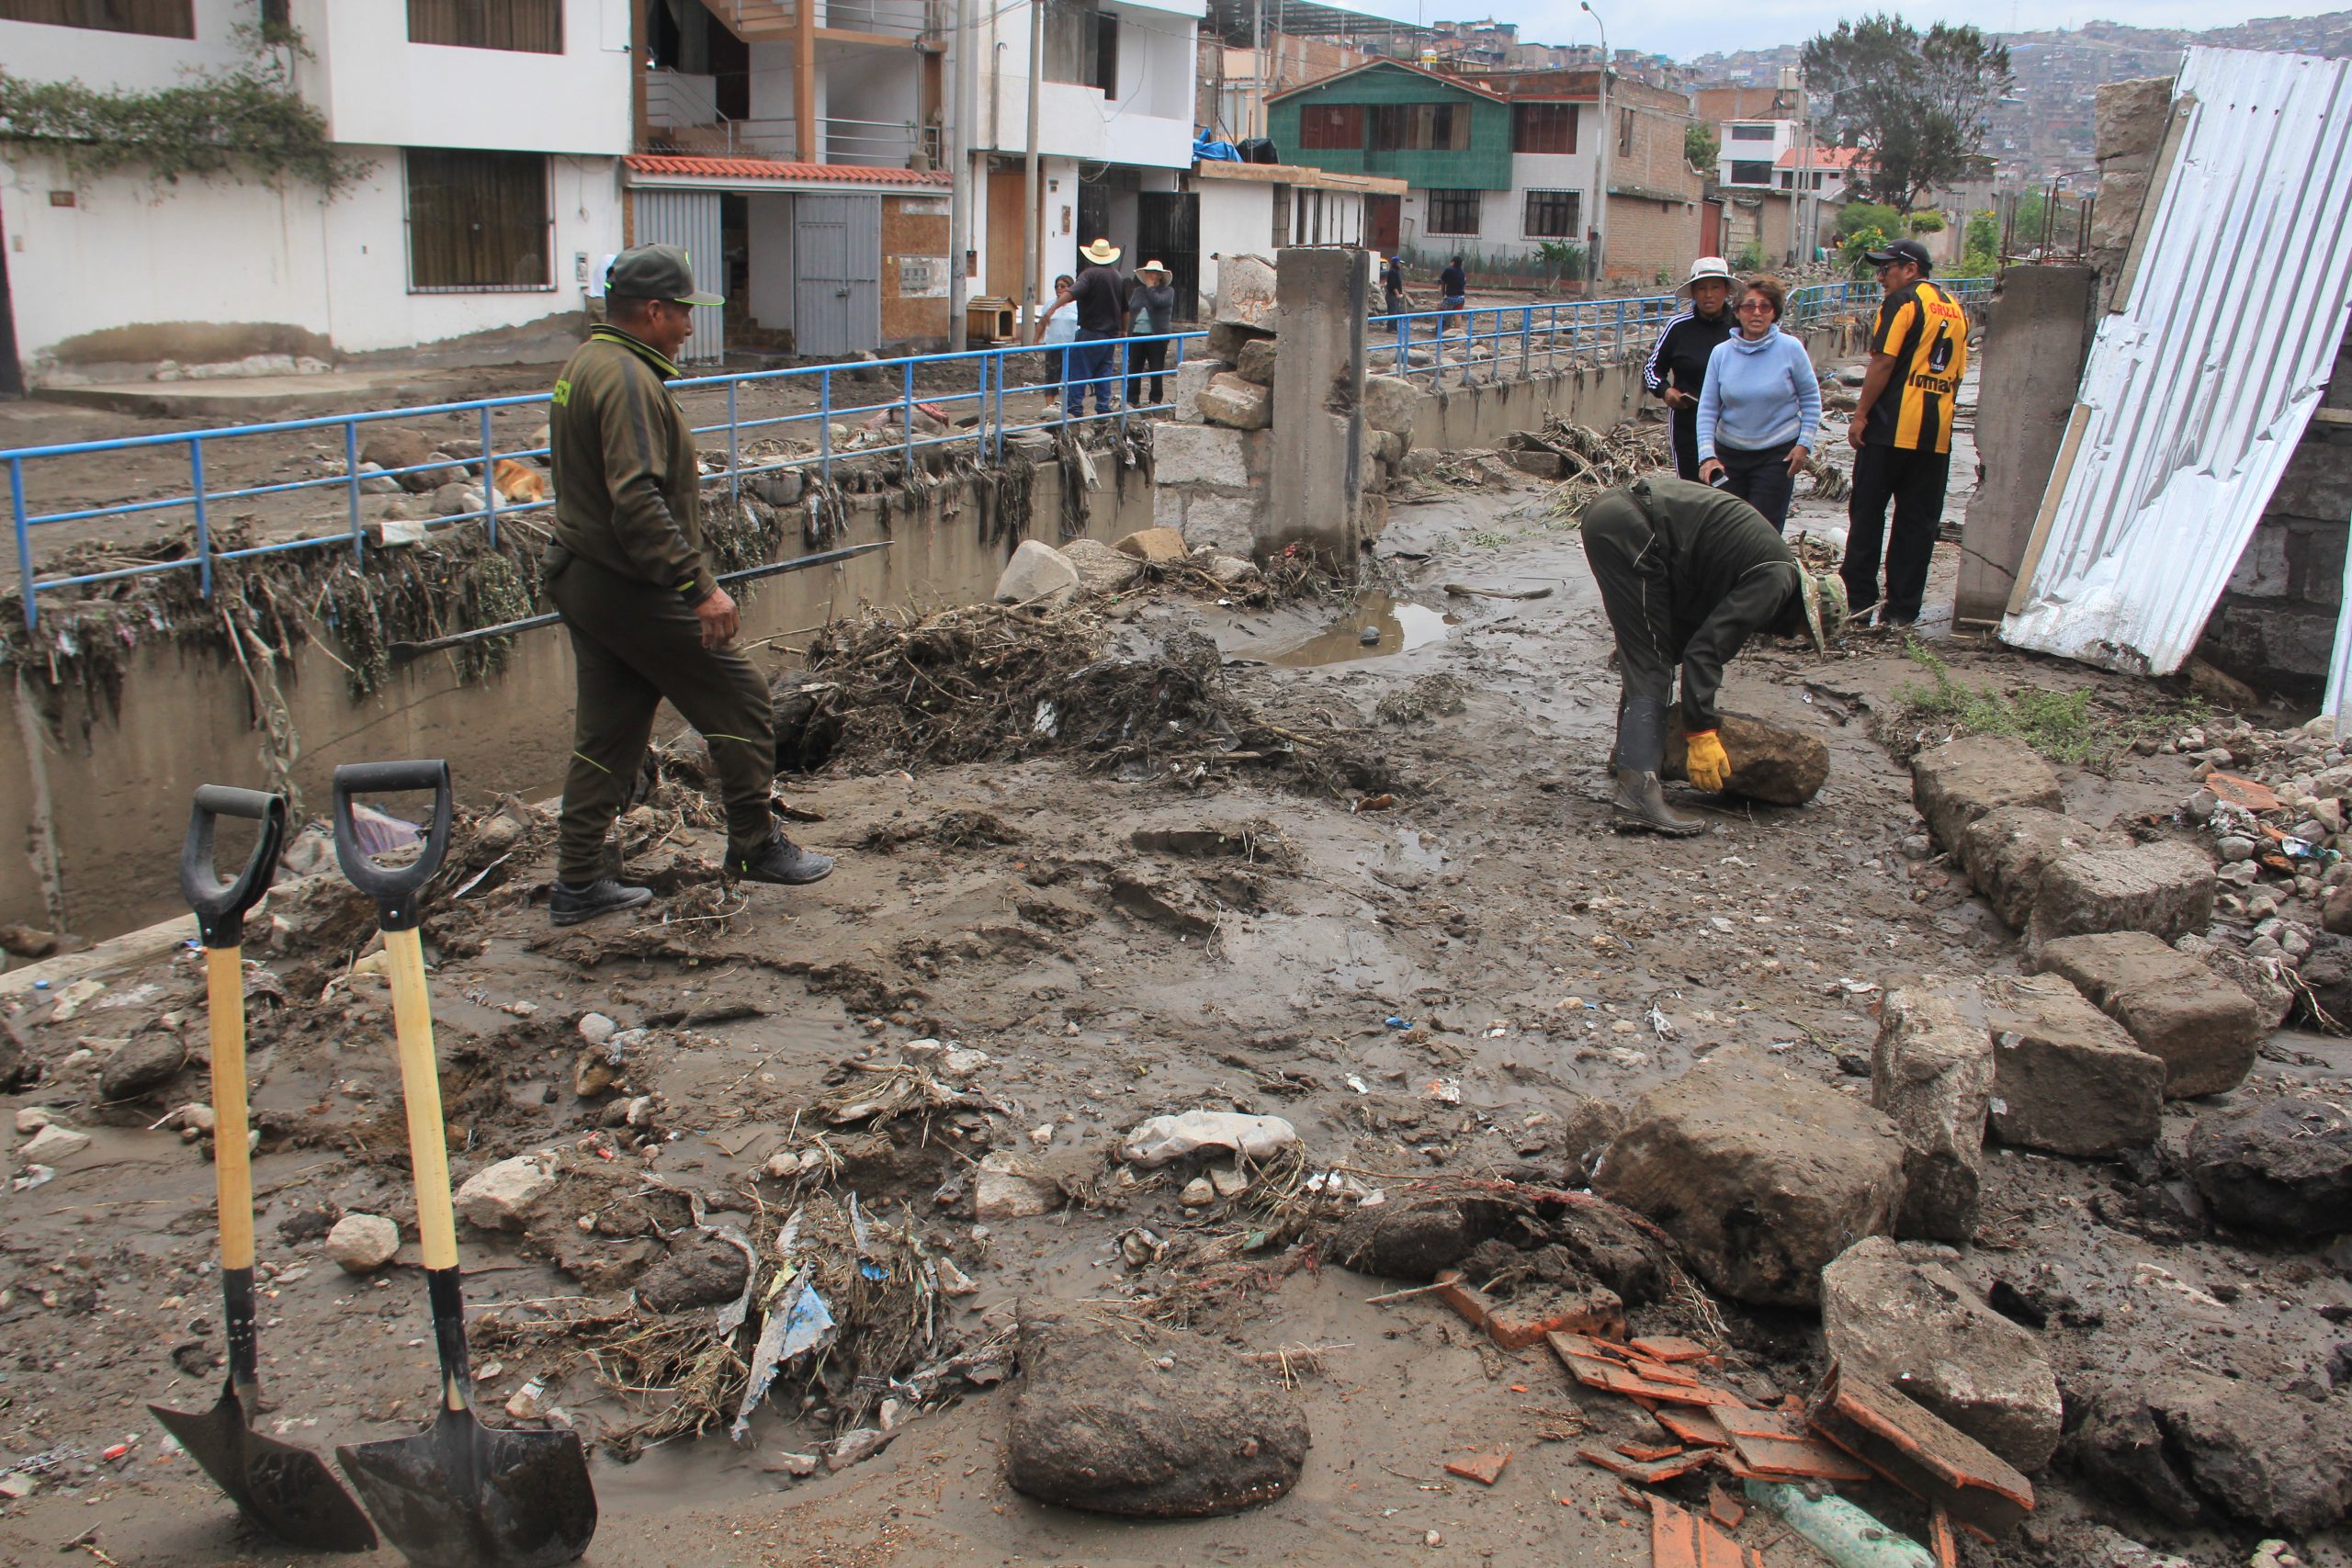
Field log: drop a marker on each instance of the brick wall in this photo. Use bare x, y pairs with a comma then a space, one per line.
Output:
1653, 190
1651, 240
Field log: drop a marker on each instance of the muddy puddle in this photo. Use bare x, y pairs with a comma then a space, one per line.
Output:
1399, 627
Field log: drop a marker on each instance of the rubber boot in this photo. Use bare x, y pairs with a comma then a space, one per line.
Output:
1641, 748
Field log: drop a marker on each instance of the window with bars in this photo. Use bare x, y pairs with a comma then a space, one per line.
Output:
478, 221
1331, 128
1554, 214
527, 26
1420, 127
1543, 128
1452, 213
156, 18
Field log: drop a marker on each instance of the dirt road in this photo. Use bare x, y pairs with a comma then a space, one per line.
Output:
1544, 963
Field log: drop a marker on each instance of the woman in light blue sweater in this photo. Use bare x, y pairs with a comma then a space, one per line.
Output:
1759, 410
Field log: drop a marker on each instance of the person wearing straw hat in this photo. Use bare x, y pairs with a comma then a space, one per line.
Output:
1101, 296
1676, 370
1151, 312
628, 571
1687, 575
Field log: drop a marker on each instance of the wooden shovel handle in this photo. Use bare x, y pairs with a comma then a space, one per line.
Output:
428, 1138
224, 984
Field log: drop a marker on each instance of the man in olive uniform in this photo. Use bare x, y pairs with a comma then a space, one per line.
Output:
647, 616
1688, 573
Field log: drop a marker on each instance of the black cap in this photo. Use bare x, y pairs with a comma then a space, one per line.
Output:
1910, 251
656, 272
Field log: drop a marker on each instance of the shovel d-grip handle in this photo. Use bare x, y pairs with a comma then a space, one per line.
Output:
394, 889
220, 907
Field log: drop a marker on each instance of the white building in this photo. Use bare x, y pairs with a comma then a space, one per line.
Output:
492, 138
1259, 209
1751, 150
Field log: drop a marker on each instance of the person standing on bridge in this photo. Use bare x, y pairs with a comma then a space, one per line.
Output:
1676, 370
627, 572
1901, 434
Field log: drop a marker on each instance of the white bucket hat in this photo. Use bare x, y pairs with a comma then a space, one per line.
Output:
1708, 268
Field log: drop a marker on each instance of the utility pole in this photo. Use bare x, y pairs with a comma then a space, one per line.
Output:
1608, 136
1258, 66
959, 169
1032, 222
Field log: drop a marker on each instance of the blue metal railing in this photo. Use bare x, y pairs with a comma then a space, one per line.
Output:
1416, 345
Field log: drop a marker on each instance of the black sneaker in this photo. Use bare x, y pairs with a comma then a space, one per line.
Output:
781, 861
570, 903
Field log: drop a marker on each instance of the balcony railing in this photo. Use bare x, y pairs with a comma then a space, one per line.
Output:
871, 144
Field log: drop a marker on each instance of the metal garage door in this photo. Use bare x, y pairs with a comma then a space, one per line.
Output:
689, 219
837, 274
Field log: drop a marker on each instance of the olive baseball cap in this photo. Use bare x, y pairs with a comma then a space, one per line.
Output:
656, 272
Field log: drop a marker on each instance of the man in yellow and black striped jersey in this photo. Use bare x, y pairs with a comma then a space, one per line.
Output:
1901, 435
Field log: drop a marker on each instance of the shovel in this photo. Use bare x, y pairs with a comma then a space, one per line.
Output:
286, 1489
461, 1495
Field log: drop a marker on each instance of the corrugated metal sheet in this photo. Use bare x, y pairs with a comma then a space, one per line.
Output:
837, 269
2199, 389
683, 168
2340, 662
689, 219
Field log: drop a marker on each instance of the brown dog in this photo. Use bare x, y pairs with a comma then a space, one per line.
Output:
520, 481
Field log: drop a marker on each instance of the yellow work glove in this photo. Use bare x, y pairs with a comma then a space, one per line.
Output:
1709, 768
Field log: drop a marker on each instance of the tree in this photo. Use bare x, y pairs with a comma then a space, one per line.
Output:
1918, 105
1700, 145
1928, 222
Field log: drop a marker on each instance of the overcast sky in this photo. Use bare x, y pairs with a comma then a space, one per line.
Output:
1686, 29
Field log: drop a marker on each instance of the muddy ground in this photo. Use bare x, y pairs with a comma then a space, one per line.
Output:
1544, 961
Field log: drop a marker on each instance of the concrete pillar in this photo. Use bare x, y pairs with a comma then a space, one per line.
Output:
1316, 497
2034, 348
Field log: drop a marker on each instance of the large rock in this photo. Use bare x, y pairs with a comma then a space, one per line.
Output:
1237, 404
701, 1271
397, 447
1100, 568
2204, 1028
2163, 888
1159, 546
1769, 762
2266, 982
2067, 1079
1391, 404
1955, 783
2283, 1167
1761, 1175
1931, 1073
2184, 1443
499, 1198
1257, 360
142, 1065
1245, 292
1412, 1240
2006, 851
1199, 455
1037, 574
1195, 373
1004, 1188
1901, 1317
1117, 1417
52, 1143
2129, 117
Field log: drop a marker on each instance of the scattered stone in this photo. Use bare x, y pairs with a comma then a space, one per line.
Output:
527, 1402
1005, 1190
597, 1029
2006, 851
361, 1243
1955, 783
31, 1119
2204, 1029
703, 1271
1409, 1240
852, 1447
396, 447
1158, 546
2265, 984
1198, 1193
497, 1198
1761, 1175
1100, 568
1769, 762
16, 1486
1037, 574
1235, 404
1228, 1180
1931, 1072
142, 1065
1172, 1427
53, 1143
1160, 1139
2164, 888
2067, 1079
2186, 1443
27, 941
1230, 571
2283, 1167
799, 1466
1391, 404
457, 500
1898, 1315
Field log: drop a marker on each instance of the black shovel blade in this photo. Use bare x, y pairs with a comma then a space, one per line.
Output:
286, 1489
467, 1495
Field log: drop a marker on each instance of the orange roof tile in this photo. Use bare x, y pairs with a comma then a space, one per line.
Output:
772, 169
